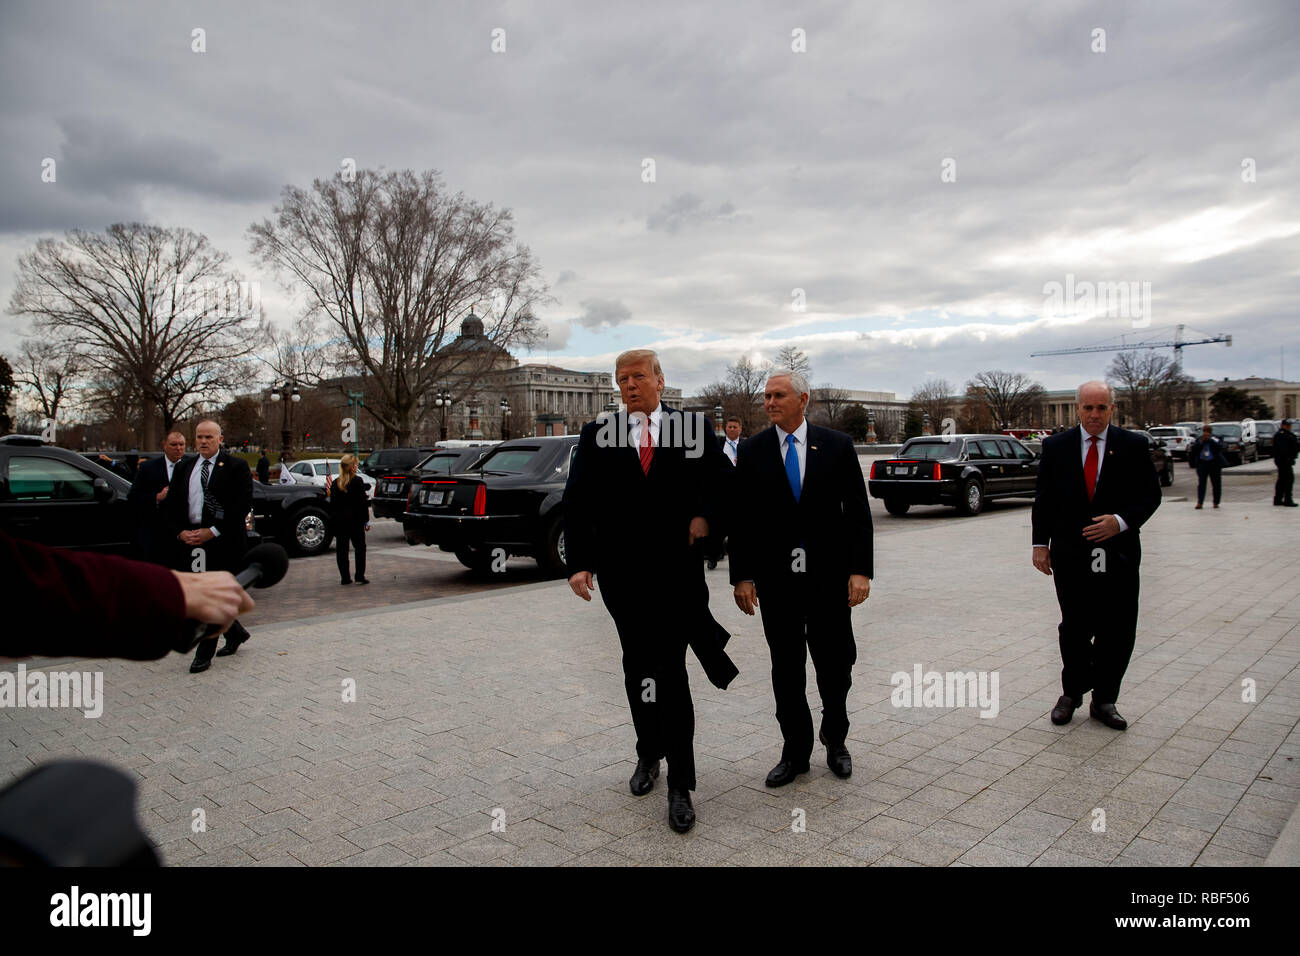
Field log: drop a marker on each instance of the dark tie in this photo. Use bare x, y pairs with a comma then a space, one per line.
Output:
203, 476
1090, 467
792, 465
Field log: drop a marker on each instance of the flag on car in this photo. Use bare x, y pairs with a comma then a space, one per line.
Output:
329, 480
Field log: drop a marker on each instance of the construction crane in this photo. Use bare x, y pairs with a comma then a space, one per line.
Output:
1177, 345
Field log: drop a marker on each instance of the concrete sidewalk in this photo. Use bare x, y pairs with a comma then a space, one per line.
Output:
493, 728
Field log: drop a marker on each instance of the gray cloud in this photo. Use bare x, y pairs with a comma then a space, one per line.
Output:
602, 313
687, 210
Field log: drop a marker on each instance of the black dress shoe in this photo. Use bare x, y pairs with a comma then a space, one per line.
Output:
713, 564
349, 581
231, 646
363, 580
784, 773
1108, 715
1064, 710
643, 778
837, 758
681, 815
198, 667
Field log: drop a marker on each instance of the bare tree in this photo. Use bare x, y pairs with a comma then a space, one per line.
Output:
397, 265
792, 358
827, 405
50, 372
935, 398
1012, 398
156, 310
1152, 387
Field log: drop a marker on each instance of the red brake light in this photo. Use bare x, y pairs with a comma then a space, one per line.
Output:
872, 476
480, 500
936, 471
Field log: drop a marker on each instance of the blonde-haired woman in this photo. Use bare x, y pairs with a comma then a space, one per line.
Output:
349, 518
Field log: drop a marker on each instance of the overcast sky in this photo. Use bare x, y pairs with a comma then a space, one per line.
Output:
774, 170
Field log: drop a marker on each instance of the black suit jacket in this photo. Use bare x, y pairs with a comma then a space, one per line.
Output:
151, 526
831, 522
1127, 486
230, 490
631, 528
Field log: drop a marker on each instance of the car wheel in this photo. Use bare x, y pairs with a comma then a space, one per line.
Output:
896, 507
550, 557
971, 500
476, 559
311, 534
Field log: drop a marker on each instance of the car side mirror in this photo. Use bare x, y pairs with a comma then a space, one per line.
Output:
104, 492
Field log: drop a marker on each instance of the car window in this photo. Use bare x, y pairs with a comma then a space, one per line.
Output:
45, 479
1166, 432
1007, 448
323, 468
931, 450
514, 461
1265, 428
1021, 452
302, 468
1225, 431
439, 464
990, 448
973, 451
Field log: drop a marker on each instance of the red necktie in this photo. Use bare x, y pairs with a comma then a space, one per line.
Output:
647, 446
1090, 467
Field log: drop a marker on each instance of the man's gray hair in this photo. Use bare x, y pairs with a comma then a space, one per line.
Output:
797, 381
1110, 392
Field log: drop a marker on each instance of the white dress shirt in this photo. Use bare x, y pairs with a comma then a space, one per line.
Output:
729, 448
196, 490
800, 446
637, 418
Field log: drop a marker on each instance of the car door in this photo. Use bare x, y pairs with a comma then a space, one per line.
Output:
1018, 458
303, 473
995, 467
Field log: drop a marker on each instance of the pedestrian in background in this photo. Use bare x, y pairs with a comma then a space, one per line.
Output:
264, 469
349, 518
1207, 457
1284, 452
148, 492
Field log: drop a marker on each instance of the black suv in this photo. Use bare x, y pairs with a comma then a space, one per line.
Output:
392, 461
392, 489
510, 505
1161, 457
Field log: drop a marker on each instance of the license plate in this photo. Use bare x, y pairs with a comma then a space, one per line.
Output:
433, 497
900, 470
392, 488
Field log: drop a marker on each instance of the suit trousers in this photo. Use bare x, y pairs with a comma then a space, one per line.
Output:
658, 691
355, 533
1285, 482
1215, 476
1098, 629
799, 621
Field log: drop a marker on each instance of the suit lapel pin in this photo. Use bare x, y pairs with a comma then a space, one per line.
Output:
812, 447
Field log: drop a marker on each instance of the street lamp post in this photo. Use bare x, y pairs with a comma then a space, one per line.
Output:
356, 402
717, 419
443, 404
288, 392
505, 419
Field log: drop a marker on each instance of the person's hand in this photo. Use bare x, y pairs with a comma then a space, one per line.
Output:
859, 589
699, 529
746, 596
160, 496
582, 584
213, 597
1106, 526
1043, 559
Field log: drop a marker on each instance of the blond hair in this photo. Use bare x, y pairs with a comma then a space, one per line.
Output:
632, 356
347, 469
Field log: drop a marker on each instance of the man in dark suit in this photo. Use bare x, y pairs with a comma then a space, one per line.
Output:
801, 544
715, 547
1096, 487
642, 490
264, 469
207, 502
148, 492
1284, 455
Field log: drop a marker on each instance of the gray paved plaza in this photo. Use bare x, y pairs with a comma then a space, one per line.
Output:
492, 728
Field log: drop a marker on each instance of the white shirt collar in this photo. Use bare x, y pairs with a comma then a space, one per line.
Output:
800, 434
